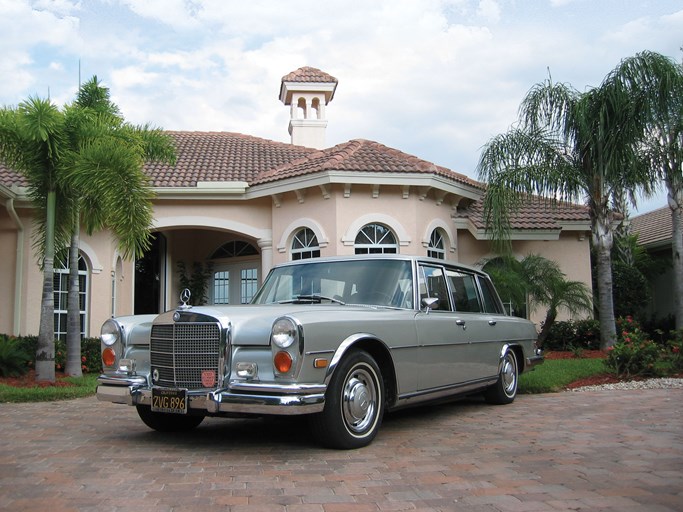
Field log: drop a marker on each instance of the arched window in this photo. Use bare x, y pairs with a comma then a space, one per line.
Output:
235, 279
436, 245
305, 245
234, 249
375, 239
61, 291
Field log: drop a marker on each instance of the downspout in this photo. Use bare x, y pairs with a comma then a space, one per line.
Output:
19, 267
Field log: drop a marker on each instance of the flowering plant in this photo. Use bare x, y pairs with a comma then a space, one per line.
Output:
633, 354
675, 351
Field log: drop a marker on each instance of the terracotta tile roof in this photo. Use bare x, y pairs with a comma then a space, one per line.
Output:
654, 227
308, 74
229, 157
221, 156
9, 177
360, 155
536, 213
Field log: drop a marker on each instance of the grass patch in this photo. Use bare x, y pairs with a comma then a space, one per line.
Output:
80, 387
555, 375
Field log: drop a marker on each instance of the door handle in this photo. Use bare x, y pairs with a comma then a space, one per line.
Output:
461, 323
492, 322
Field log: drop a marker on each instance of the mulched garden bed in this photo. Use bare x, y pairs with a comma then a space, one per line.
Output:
29, 381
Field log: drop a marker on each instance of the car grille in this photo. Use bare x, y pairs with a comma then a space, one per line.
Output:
181, 352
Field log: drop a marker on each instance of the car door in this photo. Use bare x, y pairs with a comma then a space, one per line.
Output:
442, 340
478, 312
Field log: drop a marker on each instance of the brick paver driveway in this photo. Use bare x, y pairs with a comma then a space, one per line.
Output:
603, 450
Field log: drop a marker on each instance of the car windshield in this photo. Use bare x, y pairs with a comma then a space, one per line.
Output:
369, 282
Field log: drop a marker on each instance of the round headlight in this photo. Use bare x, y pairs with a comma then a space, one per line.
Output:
284, 332
109, 334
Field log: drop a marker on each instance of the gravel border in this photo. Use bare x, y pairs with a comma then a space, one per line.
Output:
664, 383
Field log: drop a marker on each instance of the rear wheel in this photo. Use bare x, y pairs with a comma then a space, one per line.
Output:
165, 422
504, 390
354, 404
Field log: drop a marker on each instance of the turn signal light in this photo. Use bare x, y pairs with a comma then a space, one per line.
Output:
282, 361
108, 357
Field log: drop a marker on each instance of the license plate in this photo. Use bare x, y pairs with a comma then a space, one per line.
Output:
172, 401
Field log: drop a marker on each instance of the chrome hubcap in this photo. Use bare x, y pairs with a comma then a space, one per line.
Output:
359, 401
509, 375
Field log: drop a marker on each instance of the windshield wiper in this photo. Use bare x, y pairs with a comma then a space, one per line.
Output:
316, 298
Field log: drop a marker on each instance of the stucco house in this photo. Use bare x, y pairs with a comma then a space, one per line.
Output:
655, 234
244, 204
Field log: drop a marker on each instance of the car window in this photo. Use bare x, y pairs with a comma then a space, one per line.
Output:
433, 284
370, 282
464, 290
491, 302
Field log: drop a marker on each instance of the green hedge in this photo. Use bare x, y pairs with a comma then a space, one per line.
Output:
573, 334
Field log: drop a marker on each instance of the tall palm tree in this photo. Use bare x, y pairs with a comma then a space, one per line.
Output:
107, 185
32, 142
568, 146
83, 165
660, 80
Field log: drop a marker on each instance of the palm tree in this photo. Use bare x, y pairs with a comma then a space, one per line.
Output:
32, 142
79, 160
108, 188
660, 80
541, 282
569, 146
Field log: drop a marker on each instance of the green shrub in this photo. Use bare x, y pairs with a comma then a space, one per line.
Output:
573, 335
633, 354
13, 358
674, 352
91, 362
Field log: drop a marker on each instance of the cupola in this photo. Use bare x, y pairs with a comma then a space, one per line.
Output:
307, 91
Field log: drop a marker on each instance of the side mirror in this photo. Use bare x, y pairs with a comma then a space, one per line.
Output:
430, 303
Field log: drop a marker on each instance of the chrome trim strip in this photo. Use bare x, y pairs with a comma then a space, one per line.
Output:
443, 392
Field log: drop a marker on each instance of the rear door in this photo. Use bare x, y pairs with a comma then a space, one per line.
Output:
442, 338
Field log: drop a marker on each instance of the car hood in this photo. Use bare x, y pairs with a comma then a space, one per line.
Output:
251, 324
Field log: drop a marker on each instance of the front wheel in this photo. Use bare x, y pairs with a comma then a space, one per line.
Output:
165, 422
504, 390
354, 404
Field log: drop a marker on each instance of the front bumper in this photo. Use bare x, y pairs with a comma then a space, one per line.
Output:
239, 397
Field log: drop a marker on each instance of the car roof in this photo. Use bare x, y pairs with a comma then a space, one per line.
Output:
388, 257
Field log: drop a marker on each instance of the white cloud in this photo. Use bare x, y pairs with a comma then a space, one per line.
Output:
436, 78
489, 10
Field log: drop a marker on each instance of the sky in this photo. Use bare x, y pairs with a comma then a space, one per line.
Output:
433, 78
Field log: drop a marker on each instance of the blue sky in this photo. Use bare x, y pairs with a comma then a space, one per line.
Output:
434, 78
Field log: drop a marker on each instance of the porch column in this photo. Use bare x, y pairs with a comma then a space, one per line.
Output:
266, 246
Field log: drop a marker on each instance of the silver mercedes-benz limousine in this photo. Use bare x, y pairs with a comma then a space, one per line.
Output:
343, 340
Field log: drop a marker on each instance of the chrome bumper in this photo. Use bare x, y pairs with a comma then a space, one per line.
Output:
238, 397
533, 361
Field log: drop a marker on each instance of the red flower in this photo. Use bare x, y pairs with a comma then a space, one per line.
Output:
83, 359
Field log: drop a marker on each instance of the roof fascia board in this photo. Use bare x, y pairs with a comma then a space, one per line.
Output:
519, 234
7, 192
363, 178
204, 190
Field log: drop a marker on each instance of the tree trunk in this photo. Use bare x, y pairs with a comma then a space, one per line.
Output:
45, 351
603, 239
677, 254
547, 324
73, 315
608, 330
